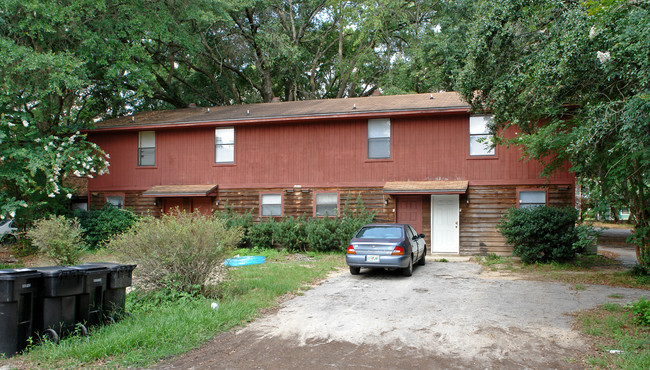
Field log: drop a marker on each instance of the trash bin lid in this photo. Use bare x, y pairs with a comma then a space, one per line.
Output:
112, 266
90, 268
58, 271
21, 273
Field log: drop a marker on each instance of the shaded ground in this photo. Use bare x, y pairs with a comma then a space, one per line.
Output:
613, 243
447, 315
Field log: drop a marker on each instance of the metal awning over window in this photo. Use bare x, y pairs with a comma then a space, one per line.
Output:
426, 187
160, 191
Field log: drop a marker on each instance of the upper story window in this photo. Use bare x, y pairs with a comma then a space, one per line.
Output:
379, 138
271, 205
147, 148
327, 204
480, 139
532, 198
116, 201
224, 145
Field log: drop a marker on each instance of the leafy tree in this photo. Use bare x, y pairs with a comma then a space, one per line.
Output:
573, 78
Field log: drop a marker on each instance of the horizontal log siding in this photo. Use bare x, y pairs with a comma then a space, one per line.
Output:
486, 207
132, 200
478, 217
295, 203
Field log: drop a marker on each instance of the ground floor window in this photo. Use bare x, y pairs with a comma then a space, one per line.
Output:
271, 205
116, 201
531, 198
327, 204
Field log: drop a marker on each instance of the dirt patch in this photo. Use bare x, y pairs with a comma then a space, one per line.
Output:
246, 350
447, 315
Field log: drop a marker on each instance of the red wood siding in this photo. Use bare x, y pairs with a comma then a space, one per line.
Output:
327, 154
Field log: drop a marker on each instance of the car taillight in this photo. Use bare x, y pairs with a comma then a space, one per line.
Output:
398, 251
351, 249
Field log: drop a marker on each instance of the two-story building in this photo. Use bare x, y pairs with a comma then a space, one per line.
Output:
420, 159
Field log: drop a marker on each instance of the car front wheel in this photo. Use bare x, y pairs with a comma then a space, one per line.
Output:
355, 270
408, 271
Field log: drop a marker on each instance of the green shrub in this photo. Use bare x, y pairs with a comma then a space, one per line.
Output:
543, 234
290, 233
236, 219
178, 251
58, 238
641, 311
301, 233
102, 224
260, 234
23, 247
322, 234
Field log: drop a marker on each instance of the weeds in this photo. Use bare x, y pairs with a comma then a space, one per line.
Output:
167, 322
622, 342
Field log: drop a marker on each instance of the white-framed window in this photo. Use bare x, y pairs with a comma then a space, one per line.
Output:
531, 198
327, 204
271, 205
379, 138
480, 139
147, 148
224, 145
116, 201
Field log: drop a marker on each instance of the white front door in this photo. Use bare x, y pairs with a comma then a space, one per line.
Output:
444, 224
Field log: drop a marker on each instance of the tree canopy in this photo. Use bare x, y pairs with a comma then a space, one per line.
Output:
574, 77
68, 64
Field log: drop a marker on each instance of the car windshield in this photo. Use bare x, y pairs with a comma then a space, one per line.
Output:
380, 232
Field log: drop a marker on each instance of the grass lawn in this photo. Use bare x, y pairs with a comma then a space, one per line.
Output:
168, 324
619, 341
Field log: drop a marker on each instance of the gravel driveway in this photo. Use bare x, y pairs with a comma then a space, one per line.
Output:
447, 315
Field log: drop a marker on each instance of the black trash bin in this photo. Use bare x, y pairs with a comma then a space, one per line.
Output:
91, 301
18, 291
59, 297
119, 278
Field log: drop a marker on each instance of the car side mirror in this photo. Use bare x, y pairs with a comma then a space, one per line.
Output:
421, 236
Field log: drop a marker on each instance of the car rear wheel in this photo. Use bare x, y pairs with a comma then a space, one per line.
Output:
422, 260
355, 270
408, 271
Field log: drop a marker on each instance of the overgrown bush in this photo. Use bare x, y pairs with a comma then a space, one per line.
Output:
102, 224
301, 233
261, 234
323, 234
178, 251
290, 233
641, 311
233, 218
59, 238
544, 234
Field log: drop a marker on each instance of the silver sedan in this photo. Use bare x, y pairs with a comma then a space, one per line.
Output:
392, 246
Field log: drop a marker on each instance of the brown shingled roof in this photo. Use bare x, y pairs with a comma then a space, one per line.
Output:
307, 109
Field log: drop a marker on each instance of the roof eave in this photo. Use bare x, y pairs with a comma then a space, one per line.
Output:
282, 119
